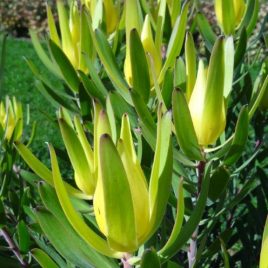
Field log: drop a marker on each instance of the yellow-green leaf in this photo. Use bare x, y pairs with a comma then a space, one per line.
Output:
74, 217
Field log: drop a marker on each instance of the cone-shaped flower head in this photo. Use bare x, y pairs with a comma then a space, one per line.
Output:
133, 21
111, 13
150, 48
11, 119
128, 210
121, 166
206, 103
229, 14
74, 31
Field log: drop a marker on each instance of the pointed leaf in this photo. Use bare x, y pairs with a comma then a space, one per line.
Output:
206, 31
42, 54
184, 127
150, 259
218, 183
75, 219
83, 250
264, 248
194, 220
161, 174
176, 40
84, 177
65, 66
43, 259
42, 171
108, 59
241, 47
240, 138
117, 198
139, 67
190, 62
178, 220
229, 65
52, 27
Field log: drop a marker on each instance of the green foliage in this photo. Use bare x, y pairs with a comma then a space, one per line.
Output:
160, 163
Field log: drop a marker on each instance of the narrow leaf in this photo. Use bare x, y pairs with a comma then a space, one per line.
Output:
184, 127
77, 222
43, 259
64, 64
139, 67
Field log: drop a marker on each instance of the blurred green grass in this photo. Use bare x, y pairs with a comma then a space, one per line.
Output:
19, 81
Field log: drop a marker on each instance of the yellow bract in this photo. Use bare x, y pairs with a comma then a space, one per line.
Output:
153, 55
11, 119
206, 103
126, 208
229, 14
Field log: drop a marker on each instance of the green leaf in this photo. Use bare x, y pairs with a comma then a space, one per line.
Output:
64, 27
240, 138
241, 47
150, 259
91, 88
256, 103
51, 202
24, 237
139, 67
111, 117
167, 87
84, 176
190, 62
118, 204
160, 24
228, 16
161, 174
252, 13
43, 259
85, 102
194, 220
67, 70
229, 65
180, 74
264, 247
206, 31
52, 26
42, 171
86, 43
176, 41
178, 220
147, 121
57, 234
218, 183
88, 235
184, 127
225, 254
42, 54
108, 59
55, 96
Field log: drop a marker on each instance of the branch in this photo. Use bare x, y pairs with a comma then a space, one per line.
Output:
4, 233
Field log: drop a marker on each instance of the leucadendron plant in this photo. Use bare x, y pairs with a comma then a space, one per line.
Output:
11, 120
156, 116
127, 208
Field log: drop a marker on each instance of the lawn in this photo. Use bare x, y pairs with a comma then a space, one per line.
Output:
19, 81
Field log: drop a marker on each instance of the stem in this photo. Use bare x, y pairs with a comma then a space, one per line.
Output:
193, 243
125, 261
4, 233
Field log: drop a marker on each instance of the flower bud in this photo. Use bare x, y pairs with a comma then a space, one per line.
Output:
150, 48
153, 55
207, 101
11, 119
229, 14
